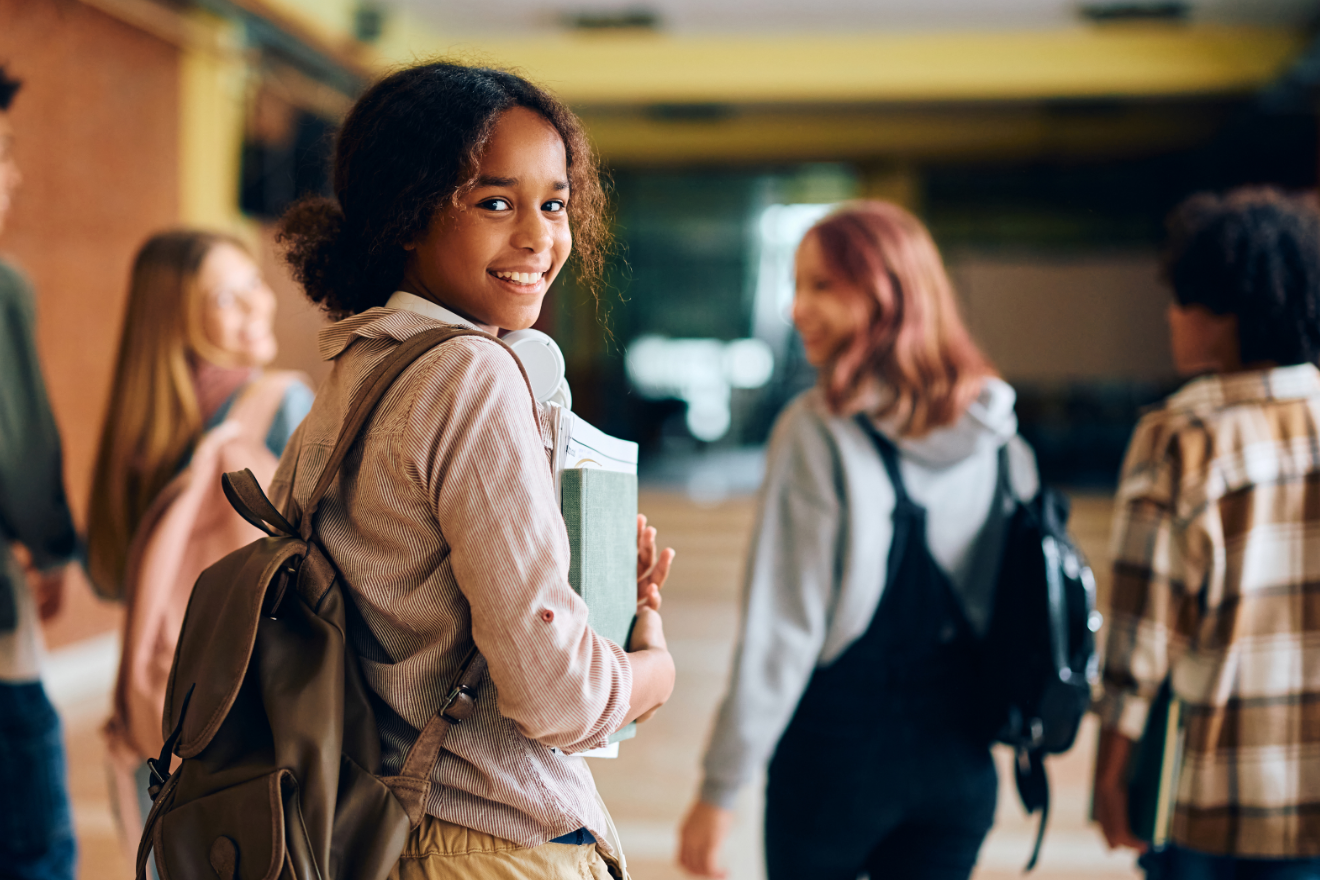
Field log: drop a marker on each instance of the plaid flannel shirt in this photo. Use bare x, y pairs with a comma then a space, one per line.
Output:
1217, 583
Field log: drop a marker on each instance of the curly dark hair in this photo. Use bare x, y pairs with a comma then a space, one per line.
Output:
8, 88
1253, 253
408, 148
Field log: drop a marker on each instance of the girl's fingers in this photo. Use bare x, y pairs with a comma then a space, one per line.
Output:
660, 572
642, 546
645, 547
648, 596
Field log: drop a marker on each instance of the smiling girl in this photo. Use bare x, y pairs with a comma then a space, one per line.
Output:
869, 577
458, 194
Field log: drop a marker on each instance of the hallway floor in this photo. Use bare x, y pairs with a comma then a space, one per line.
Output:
650, 785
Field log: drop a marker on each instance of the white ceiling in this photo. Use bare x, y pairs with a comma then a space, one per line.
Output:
524, 17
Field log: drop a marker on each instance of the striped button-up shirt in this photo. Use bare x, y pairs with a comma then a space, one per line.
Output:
1217, 584
445, 526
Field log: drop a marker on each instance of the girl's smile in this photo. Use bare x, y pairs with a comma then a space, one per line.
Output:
824, 305
522, 282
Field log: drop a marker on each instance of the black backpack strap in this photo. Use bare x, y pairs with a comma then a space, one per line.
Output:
1033, 785
889, 456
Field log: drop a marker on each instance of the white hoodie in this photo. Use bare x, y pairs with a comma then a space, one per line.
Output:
817, 564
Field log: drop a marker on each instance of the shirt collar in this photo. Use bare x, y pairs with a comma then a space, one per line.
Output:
402, 299
1219, 391
384, 322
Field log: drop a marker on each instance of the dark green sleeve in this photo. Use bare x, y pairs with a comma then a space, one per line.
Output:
33, 508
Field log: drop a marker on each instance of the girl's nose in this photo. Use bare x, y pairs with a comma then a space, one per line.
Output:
796, 310
533, 235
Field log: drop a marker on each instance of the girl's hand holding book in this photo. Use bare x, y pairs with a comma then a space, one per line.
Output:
652, 566
653, 667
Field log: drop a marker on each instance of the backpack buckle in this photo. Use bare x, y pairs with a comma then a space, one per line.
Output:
458, 704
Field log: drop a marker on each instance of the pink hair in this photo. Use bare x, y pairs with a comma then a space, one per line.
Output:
914, 342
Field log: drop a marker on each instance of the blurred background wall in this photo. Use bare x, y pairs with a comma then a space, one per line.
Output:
1041, 140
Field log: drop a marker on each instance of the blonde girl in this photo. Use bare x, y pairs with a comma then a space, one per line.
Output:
189, 384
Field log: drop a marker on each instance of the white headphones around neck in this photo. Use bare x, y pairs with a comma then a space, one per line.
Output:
544, 363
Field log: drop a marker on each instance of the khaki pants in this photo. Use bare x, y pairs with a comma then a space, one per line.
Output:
439, 850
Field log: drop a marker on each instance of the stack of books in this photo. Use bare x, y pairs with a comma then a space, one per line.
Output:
596, 476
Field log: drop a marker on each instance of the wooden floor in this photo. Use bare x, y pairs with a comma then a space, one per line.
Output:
651, 783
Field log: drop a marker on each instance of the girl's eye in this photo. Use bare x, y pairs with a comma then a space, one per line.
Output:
554, 206
496, 204
223, 299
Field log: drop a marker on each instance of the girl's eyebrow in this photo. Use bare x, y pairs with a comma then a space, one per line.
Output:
486, 180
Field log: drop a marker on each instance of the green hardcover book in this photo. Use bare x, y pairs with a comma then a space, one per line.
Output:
600, 513
1153, 770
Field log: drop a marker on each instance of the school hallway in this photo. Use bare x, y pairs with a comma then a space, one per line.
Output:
649, 786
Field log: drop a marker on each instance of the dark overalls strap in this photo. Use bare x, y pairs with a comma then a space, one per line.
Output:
1006, 489
889, 456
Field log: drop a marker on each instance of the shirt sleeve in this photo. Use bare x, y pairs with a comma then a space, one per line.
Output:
1151, 580
33, 508
486, 470
788, 595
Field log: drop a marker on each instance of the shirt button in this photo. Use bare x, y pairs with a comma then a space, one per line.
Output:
547, 615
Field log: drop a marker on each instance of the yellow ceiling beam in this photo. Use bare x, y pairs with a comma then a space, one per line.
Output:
919, 134
1081, 62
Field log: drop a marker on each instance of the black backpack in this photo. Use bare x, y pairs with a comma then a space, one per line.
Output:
1040, 658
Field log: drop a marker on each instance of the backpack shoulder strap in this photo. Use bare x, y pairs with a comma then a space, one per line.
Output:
362, 406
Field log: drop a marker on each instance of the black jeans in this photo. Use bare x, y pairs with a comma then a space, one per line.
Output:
892, 806
36, 830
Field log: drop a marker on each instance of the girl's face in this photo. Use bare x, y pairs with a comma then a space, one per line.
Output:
237, 307
493, 257
825, 306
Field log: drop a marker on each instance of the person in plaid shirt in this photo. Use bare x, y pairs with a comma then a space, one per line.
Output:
1217, 551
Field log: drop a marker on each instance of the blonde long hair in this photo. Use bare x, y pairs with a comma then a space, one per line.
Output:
913, 341
154, 419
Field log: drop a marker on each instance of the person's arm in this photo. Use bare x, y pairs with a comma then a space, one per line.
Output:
1111, 775
1152, 575
474, 443
33, 508
653, 667
788, 594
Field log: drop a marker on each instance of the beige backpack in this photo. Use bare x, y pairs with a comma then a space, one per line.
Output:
188, 527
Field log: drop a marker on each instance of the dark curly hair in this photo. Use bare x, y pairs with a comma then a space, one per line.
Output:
408, 148
8, 88
1253, 253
